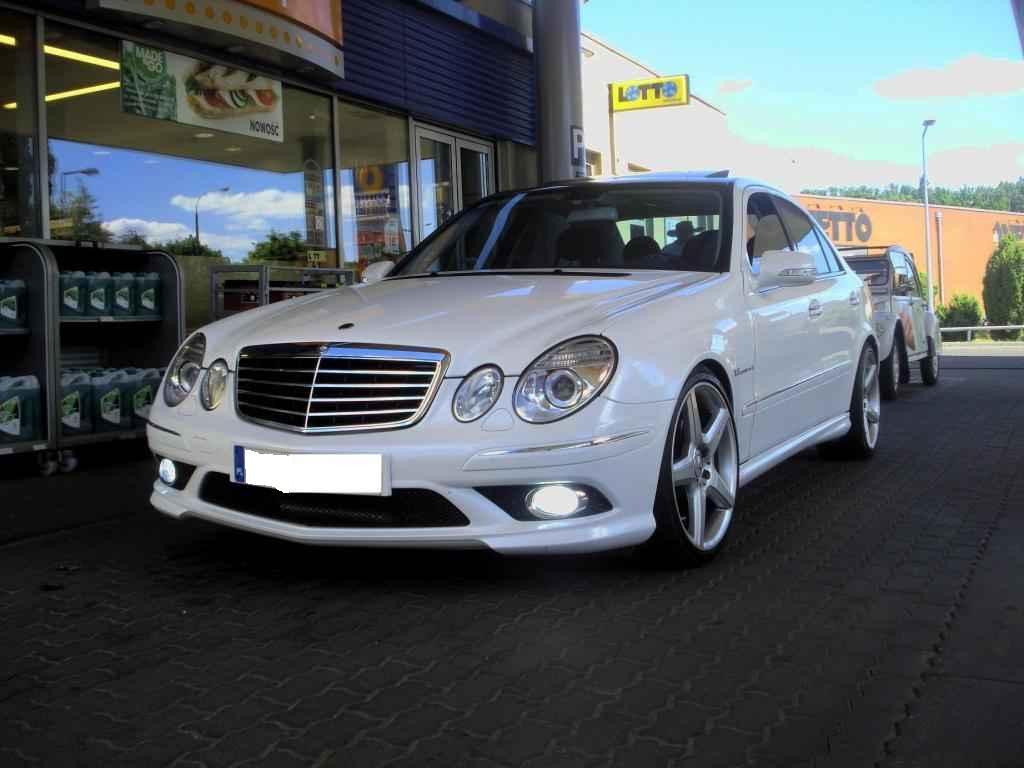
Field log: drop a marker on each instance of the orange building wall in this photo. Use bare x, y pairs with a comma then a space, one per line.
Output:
968, 236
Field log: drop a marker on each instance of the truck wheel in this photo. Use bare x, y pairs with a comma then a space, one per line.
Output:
891, 375
930, 366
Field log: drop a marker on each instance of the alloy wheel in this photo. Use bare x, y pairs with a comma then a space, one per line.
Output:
705, 466
871, 394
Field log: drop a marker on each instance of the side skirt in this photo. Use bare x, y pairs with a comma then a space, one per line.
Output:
829, 430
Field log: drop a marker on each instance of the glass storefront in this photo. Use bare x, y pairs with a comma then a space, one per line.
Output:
19, 197
150, 147
376, 214
118, 176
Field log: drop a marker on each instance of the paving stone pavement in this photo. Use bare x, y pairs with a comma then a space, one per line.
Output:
864, 614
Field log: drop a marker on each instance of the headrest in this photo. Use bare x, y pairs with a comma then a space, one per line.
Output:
638, 251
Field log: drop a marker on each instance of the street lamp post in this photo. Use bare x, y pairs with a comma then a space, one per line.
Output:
209, 191
64, 181
927, 217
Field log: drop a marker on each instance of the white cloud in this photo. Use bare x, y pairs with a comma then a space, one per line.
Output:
733, 86
153, 231
972, 75
245, 207
235, 247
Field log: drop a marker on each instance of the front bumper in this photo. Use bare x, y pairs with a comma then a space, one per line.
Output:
613, 447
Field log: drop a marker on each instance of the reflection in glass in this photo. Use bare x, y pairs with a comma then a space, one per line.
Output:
376, 217
476, 175
437, 197
19, 196
121, 177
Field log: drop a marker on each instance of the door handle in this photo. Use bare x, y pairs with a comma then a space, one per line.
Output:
814, 308
854, 299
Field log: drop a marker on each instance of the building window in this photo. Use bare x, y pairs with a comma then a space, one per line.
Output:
142, 141
19, 193
594, 163
376, 213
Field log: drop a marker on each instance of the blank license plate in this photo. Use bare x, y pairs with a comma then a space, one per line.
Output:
357, 473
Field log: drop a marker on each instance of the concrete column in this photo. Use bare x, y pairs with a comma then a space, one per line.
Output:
556, 50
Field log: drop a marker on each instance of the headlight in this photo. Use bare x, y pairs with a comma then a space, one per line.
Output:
214, 385
185, 369
477, 393
564, 379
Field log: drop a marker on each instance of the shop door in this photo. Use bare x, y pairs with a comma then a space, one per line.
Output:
452, 172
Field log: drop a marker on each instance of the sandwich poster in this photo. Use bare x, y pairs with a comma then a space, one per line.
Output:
166, 86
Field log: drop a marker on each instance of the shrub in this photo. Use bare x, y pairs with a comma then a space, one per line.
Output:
1003, 287
962, 310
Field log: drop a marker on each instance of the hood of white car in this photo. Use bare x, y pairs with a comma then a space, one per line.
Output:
477, 318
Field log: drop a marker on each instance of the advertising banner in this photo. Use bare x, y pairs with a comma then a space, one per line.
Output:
672, 91
166, 86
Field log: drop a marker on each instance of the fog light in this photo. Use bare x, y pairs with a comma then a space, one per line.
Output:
168, 472
554, 502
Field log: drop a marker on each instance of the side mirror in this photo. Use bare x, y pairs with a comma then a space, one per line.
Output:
377, 271
786, 268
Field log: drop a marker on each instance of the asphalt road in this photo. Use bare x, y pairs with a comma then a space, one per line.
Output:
863, 614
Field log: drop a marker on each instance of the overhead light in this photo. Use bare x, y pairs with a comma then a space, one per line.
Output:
203, 135
232, 149
72, 93
85, 58
11, 168
66, 53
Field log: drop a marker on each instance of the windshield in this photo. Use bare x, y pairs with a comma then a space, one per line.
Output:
627, 227
874, 272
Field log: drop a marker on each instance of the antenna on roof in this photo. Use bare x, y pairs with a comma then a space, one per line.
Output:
719, 174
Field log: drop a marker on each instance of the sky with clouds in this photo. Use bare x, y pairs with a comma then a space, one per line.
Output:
821, 93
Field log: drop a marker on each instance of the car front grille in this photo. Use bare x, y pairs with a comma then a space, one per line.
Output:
326, 387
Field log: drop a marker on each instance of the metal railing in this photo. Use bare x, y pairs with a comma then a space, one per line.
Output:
972, 329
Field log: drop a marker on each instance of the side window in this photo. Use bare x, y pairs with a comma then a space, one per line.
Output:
915, 277
830, 251
764, 231
904, 281
801, 232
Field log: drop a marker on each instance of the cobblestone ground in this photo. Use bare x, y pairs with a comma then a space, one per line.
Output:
864, 614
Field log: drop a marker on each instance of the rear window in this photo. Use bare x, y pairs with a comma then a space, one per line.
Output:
874, 272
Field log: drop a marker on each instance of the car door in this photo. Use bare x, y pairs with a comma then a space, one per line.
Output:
782, 319
918, 310
832, 332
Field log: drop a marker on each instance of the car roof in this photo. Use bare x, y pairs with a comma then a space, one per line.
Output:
662, 177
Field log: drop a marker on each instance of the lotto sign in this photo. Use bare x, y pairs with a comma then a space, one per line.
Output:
652, 92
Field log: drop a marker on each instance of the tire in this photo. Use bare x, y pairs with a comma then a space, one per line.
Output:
865, 411
930, 366
891, 375
696, 495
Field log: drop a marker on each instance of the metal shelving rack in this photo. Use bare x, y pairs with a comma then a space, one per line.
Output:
51, 342
266, 284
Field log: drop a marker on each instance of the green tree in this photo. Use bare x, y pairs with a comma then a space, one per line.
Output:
80, 209
278, 246
186, 246
1005, 196
1003, 286
962, 311
133, 237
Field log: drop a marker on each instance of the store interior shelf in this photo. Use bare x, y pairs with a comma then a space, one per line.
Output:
112, 319
14, 331
69, 441
29, 446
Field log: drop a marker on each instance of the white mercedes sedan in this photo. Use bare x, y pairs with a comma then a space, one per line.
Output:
581, 366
